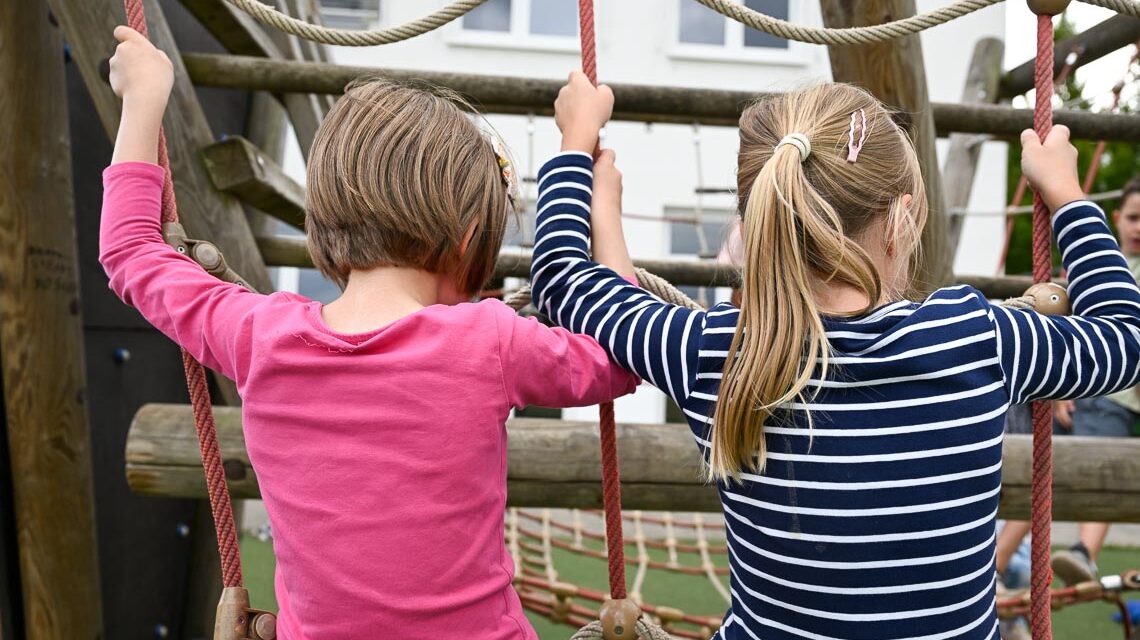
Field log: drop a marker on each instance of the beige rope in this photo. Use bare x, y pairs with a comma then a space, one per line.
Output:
654, 284
348, 38
875, 33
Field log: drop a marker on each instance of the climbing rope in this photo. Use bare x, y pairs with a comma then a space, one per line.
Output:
350, 38
220, 505
1041, 571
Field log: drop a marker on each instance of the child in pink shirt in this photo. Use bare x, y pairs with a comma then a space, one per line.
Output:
376, 423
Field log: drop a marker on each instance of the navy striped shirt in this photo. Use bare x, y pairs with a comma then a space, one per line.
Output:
878, 521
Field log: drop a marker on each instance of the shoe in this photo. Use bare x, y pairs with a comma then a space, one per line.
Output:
1073, 566
1015, 629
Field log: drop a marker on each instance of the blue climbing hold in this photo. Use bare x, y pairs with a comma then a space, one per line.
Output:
1133, 612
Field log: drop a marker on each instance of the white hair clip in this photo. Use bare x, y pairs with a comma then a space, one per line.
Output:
799, 141
507, 171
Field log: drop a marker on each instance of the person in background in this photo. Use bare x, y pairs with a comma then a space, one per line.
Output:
1113, 416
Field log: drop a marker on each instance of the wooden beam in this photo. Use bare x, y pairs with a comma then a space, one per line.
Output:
1115, 33
205, 213
232, 28
962, 159
641, 103
290, 251
240, 169
894, 73
41, 336
554, 463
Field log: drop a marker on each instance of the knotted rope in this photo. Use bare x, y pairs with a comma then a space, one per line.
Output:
196, 383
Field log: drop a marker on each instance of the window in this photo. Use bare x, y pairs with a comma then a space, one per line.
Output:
689, 239
350, 14
526, 23
698, 25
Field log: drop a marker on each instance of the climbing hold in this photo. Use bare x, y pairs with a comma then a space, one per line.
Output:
1049, 299
619, 619
1048, 7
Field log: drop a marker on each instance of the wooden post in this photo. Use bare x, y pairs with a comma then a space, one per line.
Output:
239, 168
205, 213
242, 35
41, 336
554, 463
962, 160
639, 103
894, 72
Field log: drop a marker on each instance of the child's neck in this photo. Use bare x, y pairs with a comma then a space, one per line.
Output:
378, 297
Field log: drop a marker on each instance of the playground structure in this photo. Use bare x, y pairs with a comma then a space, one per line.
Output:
50, 455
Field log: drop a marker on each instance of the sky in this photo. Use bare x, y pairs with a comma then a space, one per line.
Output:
1099, 77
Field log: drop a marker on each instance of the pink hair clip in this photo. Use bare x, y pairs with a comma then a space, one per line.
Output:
852, 148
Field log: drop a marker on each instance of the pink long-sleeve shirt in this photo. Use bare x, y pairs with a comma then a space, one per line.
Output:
381, 456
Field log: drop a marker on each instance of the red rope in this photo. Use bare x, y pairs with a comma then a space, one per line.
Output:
611, 477
196, 384
1042, 497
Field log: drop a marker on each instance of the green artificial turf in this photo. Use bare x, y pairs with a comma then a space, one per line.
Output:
695, 595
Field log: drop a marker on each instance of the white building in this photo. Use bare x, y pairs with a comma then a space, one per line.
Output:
659, 42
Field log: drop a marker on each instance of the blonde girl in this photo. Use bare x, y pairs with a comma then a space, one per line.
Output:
855, 436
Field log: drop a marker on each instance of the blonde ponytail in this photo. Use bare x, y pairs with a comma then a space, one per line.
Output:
800, 217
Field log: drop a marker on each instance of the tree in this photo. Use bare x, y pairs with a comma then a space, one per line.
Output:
1119, 164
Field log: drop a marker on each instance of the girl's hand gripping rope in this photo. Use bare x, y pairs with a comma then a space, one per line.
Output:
142, 76
581, 111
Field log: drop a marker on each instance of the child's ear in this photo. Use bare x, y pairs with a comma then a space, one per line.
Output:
906, 201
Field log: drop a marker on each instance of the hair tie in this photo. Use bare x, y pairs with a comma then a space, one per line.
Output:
799, 141
853, 149
507, 172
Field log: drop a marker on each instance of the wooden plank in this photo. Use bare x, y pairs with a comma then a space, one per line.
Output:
239, 168
206, 214
640, 103
555, 463
894, 72
1115, 33
41, 336
962, 158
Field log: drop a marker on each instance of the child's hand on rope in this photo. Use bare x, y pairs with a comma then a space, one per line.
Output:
606, 234
142, 76
1051, 166
581, 111
140, 71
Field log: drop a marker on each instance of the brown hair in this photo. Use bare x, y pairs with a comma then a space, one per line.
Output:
801, 220
398, 175
1130, 188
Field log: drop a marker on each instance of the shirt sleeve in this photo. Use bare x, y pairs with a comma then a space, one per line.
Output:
656, 340
551, 367
207, 317
1096, 350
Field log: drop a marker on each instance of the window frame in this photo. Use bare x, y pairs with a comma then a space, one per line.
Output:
733, 50
369, 17
518, 37
714, 213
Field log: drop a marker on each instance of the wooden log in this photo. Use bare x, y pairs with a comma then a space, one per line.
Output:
554, 463
288, 251
894, 73
962, 159
240, 169
206, 213
41, 337
641, 103
1115, 33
